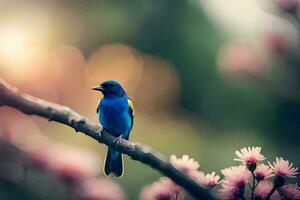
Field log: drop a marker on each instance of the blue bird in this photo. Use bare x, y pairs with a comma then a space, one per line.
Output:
115, 113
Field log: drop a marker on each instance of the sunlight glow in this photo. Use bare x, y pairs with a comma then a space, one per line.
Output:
16, 52
12, 43
253, 16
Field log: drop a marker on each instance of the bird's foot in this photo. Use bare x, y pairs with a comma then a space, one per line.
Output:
117, 141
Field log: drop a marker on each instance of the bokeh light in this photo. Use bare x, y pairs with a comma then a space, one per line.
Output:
241, 60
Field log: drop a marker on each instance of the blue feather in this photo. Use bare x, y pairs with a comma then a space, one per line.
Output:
116, 116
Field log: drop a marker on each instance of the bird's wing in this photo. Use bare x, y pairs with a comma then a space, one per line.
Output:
131, 111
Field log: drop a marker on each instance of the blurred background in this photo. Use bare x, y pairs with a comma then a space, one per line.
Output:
206, 78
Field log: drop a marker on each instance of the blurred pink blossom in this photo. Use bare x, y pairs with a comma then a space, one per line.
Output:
236, 175
289, 6
100, 189
291, 191
263, 172
235, 180
23, 133
70, 164
263, 189
164, 189
185, 163
38, 159
207, 180
249, 155
283, 168
16, 126
229, 192
240, 60
276, 42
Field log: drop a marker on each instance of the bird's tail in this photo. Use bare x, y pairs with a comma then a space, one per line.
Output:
113, 163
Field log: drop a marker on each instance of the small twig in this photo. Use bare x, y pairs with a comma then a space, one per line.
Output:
253, 185
30, 105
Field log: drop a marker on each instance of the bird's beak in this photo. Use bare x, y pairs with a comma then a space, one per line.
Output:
98, 88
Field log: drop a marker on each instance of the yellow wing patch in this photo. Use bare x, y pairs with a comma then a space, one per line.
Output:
130, 104
131, 111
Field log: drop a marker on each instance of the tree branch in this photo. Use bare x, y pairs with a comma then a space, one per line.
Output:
10, 96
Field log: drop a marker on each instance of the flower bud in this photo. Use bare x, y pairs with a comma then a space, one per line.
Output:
251, 166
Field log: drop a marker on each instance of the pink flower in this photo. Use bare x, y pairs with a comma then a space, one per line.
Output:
99, 189
229, 192
263, 189
291, 191
39, 158
249, 155
263, 172
164, 189
236, 175
185, 163
207, 180
235, 180
283, 168
277, 42
71, 164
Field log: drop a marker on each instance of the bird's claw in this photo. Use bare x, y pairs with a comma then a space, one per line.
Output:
116, 141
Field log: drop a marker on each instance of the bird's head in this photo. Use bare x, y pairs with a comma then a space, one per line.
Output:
110, 89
